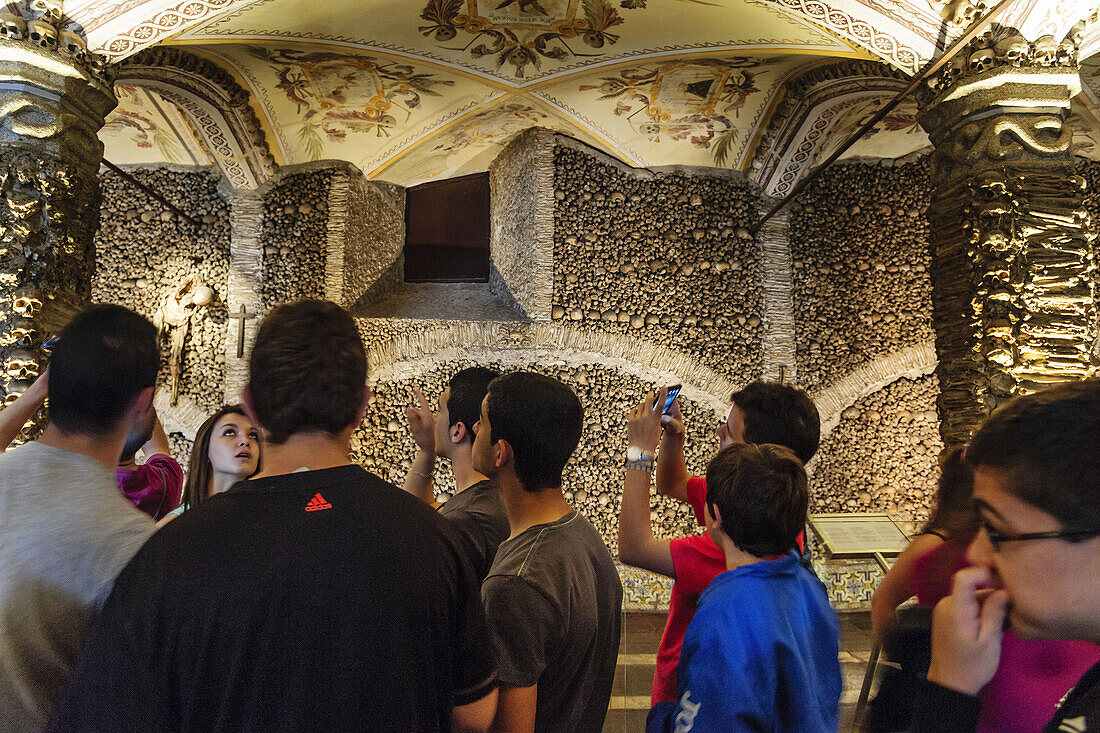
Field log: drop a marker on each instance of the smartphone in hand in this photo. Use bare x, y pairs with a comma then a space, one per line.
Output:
672, 392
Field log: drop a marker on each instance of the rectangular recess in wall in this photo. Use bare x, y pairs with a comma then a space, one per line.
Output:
447, 230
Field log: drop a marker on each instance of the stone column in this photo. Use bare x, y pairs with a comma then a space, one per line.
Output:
1012, 248
244, 301
53, 99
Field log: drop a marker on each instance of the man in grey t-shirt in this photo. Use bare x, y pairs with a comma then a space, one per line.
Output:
475, 508
553, 599
65, 529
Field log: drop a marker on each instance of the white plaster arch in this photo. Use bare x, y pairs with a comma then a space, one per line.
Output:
528, 342
910, 363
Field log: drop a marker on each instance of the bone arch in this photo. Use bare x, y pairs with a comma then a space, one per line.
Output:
215, 104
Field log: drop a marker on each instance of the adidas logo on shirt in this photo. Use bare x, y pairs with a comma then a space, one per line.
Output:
317, 503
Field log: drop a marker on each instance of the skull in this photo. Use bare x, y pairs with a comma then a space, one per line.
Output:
14, 389
953, 69
203, 295
46, 10
20, 335
981, 60
42, 33
21, 365
1067, 52
25, 303
72, 44
12, 27
1045, 50
1013, 50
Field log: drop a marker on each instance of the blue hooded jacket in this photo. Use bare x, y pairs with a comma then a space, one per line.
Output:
761, 654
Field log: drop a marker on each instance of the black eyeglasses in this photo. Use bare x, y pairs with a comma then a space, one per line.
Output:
996, 538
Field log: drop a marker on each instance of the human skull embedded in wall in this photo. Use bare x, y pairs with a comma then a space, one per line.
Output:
42, 33
1045, 51
14, 389
21, 365
25, 303
73, 45
1014, 50
981, 60
12, 27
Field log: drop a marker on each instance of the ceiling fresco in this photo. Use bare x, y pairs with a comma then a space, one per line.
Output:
518, 42
415, 90
145, 129
688, 112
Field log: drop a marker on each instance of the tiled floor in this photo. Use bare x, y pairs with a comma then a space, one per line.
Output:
637, 657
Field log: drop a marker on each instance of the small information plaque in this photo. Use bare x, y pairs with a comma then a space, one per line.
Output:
859, 534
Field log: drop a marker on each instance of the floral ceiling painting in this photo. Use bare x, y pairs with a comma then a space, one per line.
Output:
895, 135
471, 145
358, 107
520, 42
693, 112
145, 129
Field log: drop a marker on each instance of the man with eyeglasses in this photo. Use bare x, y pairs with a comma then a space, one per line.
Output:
1036, 561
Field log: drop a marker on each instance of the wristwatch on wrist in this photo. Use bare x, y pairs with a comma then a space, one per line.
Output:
639, 460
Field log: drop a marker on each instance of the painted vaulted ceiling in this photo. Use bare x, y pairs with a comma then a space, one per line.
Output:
417, 90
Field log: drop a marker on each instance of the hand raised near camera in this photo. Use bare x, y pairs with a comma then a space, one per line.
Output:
966, 633
643, 426
421, 422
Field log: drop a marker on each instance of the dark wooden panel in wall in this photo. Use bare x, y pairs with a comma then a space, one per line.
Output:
447, 230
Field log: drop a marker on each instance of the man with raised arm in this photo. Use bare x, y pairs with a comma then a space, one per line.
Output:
475, 509
65, 529
314, 596
552, 598
762, 412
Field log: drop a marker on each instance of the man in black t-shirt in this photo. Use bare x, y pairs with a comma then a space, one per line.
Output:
315, 596
552, 598
475, 509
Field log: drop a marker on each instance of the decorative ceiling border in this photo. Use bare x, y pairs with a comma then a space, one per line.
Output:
861, 32
632, 156
161, 25
218, 106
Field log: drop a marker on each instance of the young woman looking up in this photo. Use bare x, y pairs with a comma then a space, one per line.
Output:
226, 450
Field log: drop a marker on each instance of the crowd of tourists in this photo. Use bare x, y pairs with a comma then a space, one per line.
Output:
278, 586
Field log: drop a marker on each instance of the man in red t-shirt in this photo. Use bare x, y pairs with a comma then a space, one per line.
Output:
762, 412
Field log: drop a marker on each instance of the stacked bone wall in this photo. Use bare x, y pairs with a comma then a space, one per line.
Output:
666, 259
144, 251
1090, 171
593, 478
520, 247
295, 238
883, 454
859, 248
370, 232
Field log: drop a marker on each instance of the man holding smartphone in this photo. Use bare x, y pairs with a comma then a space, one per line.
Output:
762, 412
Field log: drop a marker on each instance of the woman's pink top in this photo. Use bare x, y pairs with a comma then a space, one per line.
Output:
1033, 674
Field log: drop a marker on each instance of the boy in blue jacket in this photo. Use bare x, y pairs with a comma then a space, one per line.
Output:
761, 652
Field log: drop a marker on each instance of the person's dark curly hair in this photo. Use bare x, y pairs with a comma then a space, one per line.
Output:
308, 370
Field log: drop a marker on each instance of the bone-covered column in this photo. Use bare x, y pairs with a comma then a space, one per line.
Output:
53, 99
1012, 246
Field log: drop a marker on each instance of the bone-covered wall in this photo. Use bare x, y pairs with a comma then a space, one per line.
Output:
144, 251
295, 237
665, 258
859, 248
